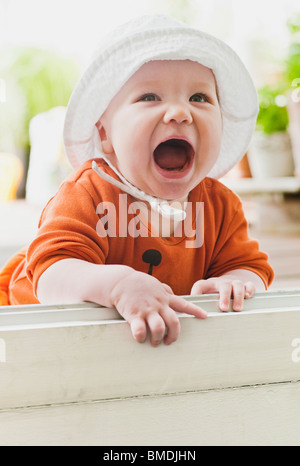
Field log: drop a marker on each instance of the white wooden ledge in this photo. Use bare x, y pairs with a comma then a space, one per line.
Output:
263, 186
73, 375
271, 204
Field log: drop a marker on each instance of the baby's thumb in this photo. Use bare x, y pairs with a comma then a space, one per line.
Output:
203, 287
167, 288
198, 287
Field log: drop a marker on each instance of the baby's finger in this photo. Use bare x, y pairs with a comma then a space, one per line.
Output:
225, 290
157, 328
167, 288
179, 304
173, 325
238, 288
249, 290
204, 286
138, 329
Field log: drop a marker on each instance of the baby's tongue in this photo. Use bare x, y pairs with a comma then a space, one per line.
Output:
170, 156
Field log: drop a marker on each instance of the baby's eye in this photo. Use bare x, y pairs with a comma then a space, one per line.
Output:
148, 98
199, 98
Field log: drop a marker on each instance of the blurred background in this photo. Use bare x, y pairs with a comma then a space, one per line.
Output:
44, 47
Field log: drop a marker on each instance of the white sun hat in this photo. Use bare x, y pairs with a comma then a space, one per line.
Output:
157, 37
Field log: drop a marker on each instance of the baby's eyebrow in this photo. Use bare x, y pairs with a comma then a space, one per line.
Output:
204, 85
148, 83
195, 85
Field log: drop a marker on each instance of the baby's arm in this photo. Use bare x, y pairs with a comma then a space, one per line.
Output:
141, 299
237, 284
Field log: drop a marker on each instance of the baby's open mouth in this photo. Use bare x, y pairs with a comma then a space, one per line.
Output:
174, 154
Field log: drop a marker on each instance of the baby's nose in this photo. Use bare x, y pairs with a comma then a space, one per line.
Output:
178, 113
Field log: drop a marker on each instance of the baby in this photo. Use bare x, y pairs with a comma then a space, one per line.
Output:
161, 113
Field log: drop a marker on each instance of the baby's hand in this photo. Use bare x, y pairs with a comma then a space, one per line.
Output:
148, 304
227, 288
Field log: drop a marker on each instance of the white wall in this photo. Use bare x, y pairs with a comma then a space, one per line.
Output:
73, 27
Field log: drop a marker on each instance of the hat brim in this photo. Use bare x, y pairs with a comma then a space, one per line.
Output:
114, 64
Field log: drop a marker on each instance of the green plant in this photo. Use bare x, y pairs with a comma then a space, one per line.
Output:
293, 58
36, 80
273, 115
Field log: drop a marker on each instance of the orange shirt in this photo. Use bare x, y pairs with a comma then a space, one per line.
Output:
92, 220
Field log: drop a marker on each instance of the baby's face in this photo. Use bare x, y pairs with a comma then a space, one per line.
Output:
163, 129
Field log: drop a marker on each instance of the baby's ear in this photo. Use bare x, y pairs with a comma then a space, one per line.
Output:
105, 141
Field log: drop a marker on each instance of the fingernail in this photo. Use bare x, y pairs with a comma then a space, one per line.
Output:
156, 343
